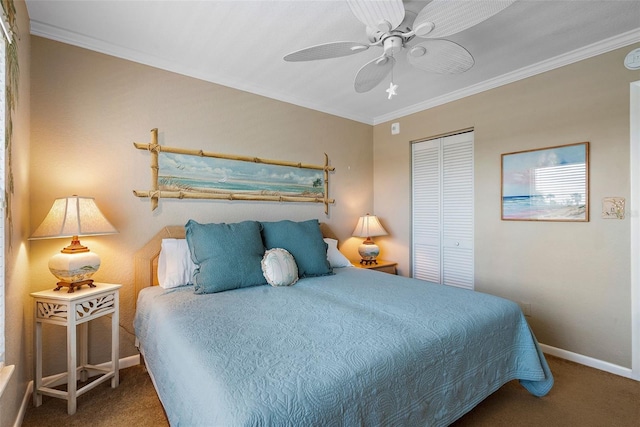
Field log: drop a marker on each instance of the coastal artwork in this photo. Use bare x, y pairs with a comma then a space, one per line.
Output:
182, 172
550, 184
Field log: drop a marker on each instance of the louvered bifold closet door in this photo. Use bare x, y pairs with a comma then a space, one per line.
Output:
457, 210
426, 165
442, 210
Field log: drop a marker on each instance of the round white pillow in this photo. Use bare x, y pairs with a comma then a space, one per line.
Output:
279, 267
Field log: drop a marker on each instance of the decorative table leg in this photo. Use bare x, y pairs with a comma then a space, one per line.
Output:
72, 364
37, 397
115, 342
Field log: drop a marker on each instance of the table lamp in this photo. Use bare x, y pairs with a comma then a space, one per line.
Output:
73, 217
369, 226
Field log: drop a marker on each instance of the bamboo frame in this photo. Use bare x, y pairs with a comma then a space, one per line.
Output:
155, 193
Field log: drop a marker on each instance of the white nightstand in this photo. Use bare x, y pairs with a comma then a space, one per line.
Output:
71, 310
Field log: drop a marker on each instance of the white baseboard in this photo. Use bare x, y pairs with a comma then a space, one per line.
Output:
125, 362
25, 402
588, 361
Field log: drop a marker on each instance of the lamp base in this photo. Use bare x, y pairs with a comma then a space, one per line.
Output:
74, 269
368, 251
73, 286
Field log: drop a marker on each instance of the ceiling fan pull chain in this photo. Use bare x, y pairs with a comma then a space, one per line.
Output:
392, 87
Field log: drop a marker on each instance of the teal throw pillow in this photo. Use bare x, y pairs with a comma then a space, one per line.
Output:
303, 240
228, 256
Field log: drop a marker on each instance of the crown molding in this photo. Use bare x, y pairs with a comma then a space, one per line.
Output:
598, 48
586, 52
75, 39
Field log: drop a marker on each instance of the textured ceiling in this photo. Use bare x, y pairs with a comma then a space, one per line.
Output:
241, 44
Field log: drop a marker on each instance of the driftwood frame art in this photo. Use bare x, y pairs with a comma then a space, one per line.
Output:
189, 186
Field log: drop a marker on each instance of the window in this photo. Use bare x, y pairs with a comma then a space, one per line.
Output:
5, 371
2, 192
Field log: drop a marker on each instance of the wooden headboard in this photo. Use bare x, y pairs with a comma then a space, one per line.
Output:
146, 259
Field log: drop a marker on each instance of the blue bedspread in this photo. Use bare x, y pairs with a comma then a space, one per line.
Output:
356, 348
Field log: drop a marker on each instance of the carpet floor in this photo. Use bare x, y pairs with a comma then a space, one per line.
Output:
581, 396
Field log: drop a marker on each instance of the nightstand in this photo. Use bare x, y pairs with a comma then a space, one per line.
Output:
73, 310
382, 265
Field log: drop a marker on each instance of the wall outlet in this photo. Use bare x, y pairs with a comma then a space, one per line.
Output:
526, 308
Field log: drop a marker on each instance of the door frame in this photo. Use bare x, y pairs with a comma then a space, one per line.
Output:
634, 216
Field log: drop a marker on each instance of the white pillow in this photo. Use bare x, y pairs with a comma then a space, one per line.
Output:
279, 267
175, 267
334, 256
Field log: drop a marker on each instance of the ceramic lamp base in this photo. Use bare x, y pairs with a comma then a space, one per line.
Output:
74, 269
368, 252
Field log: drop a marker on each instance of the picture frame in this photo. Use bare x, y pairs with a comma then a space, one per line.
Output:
546, 184
613, 207
179, 173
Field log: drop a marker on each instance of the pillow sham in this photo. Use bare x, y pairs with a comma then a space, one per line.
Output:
175, 267
228, 255
303, 240
279, 267
334, 256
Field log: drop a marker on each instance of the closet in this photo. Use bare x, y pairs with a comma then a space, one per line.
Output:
442, 210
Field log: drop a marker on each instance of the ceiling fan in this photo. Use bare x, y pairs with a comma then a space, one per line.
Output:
394, 29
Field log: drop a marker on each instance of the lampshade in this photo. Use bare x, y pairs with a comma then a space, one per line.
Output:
73, 217
369, 226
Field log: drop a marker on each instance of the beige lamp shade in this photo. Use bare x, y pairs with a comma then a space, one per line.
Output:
73, 217
369, 226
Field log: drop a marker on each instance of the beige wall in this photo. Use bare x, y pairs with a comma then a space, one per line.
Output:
88, 108
575, 275
17, 273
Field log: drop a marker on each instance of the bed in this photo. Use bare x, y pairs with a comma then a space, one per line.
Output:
355, 347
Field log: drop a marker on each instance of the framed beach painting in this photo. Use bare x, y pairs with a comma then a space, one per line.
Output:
185, 172
180, 173
548, 184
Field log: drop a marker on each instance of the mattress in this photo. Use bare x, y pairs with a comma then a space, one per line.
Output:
355, 348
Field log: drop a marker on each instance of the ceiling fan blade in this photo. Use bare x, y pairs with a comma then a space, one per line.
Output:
326, 51
442, 18
383, 15
372, 73
440, 56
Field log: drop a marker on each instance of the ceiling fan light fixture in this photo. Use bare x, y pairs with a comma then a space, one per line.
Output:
417, 51
392, 45
424, 28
